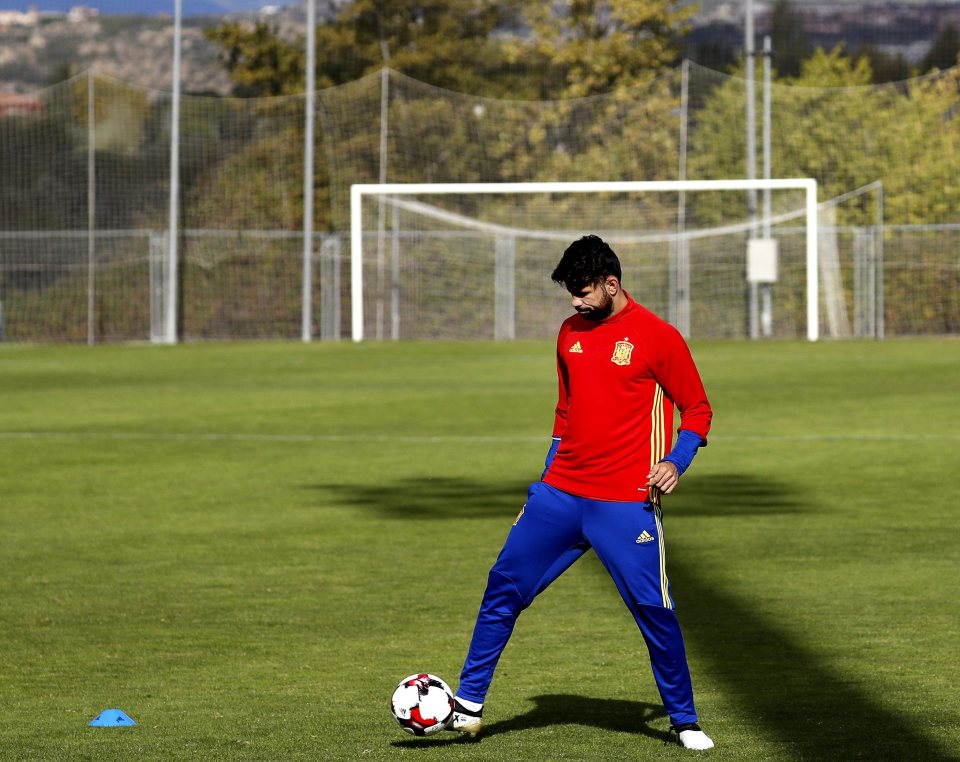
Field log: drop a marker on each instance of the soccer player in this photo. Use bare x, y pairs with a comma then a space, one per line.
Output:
621, 371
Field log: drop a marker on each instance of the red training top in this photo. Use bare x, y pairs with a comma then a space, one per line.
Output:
619, 381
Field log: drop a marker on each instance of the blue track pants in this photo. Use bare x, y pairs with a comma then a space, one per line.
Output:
554, 530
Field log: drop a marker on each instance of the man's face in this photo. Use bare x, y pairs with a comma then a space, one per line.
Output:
592, 301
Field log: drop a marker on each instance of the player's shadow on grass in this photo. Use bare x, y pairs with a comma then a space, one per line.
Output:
781, 685
566, 709
433, 498
718, 495
459, 498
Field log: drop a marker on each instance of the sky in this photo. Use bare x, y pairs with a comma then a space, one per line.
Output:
144, 7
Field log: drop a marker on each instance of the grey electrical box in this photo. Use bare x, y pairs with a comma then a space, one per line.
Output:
762, 256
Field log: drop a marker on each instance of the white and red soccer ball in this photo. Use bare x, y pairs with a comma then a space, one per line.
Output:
422, 704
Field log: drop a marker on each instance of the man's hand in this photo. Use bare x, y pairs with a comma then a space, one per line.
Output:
663, 476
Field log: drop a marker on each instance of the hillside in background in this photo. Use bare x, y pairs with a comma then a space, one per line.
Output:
136, 49
133, 48
144, 7
897, 28
139, 49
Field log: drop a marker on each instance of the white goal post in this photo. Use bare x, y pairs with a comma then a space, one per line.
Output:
389, 190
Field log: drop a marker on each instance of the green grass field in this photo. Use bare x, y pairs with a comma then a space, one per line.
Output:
246, 546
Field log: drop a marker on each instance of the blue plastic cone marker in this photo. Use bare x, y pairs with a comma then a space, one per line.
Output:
111, 718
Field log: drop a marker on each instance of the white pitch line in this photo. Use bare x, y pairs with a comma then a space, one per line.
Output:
297, 438
837, 438
436, 439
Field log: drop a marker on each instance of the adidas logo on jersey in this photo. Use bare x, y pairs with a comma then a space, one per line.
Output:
576, 349
645, 536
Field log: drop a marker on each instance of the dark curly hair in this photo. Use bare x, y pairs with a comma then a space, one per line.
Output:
587, 261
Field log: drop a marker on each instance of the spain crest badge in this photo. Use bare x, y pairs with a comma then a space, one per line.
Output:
622, 352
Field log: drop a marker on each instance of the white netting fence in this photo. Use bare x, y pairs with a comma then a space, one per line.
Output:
84, 179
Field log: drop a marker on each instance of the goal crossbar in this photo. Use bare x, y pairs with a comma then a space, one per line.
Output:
361, 190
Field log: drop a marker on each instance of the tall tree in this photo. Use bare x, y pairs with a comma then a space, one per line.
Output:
886, 67
258, 60
586, 47
831, 123
505, 48
789, 39
448, 43
943, 53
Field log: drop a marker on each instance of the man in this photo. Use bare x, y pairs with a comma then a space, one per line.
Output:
621, 370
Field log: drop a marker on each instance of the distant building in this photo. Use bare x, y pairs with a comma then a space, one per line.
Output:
18, 18
14, 104
79, 13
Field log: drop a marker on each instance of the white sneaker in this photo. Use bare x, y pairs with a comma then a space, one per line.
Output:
465, 720
690, 736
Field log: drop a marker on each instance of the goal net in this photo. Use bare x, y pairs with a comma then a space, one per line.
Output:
473, 260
